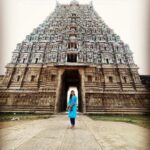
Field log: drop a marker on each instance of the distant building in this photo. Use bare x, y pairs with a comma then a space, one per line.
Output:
73, 47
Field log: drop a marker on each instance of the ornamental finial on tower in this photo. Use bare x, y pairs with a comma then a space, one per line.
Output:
74, 2
91, 3
57, 3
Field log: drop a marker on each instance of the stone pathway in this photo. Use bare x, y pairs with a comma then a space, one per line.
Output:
54, 134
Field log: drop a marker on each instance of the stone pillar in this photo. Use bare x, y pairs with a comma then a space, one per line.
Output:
8, 77
58, 90
81, 72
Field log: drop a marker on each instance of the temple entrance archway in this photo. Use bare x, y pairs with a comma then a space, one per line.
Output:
69, 78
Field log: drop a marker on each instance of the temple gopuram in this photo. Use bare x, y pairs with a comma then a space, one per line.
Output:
73, 47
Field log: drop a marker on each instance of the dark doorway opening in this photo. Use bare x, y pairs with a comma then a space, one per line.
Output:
72, 58
70, 78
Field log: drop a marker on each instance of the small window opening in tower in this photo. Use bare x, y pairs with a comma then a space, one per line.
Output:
89, 78
111, 79
32, 78
107, 61
73, 28
120, 61
24, 60
18, 78
96, 78
117, 48
72, 45
71, 57
53, 77
75, 46
36, 60
73, 15
125, 79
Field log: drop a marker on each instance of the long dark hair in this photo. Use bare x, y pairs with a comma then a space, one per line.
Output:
71, 94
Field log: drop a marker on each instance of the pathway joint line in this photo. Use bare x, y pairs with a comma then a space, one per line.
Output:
93, 134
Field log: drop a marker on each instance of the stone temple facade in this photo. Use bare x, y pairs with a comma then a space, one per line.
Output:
73, 47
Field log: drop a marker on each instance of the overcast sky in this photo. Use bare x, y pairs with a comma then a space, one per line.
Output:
129, 18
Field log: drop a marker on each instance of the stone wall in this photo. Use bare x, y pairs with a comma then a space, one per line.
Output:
37, 102
117, 103
103, 89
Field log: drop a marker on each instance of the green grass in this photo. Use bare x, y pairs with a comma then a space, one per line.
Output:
22, 116
141, 120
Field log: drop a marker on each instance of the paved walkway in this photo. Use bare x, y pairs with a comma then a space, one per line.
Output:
54, 134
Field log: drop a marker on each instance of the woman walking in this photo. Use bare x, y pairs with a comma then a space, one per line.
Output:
72, 108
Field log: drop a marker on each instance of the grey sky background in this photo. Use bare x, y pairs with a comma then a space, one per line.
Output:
129, 18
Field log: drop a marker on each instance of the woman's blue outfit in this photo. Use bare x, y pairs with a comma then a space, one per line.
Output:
73, 112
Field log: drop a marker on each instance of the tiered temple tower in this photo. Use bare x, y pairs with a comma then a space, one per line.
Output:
73, 47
